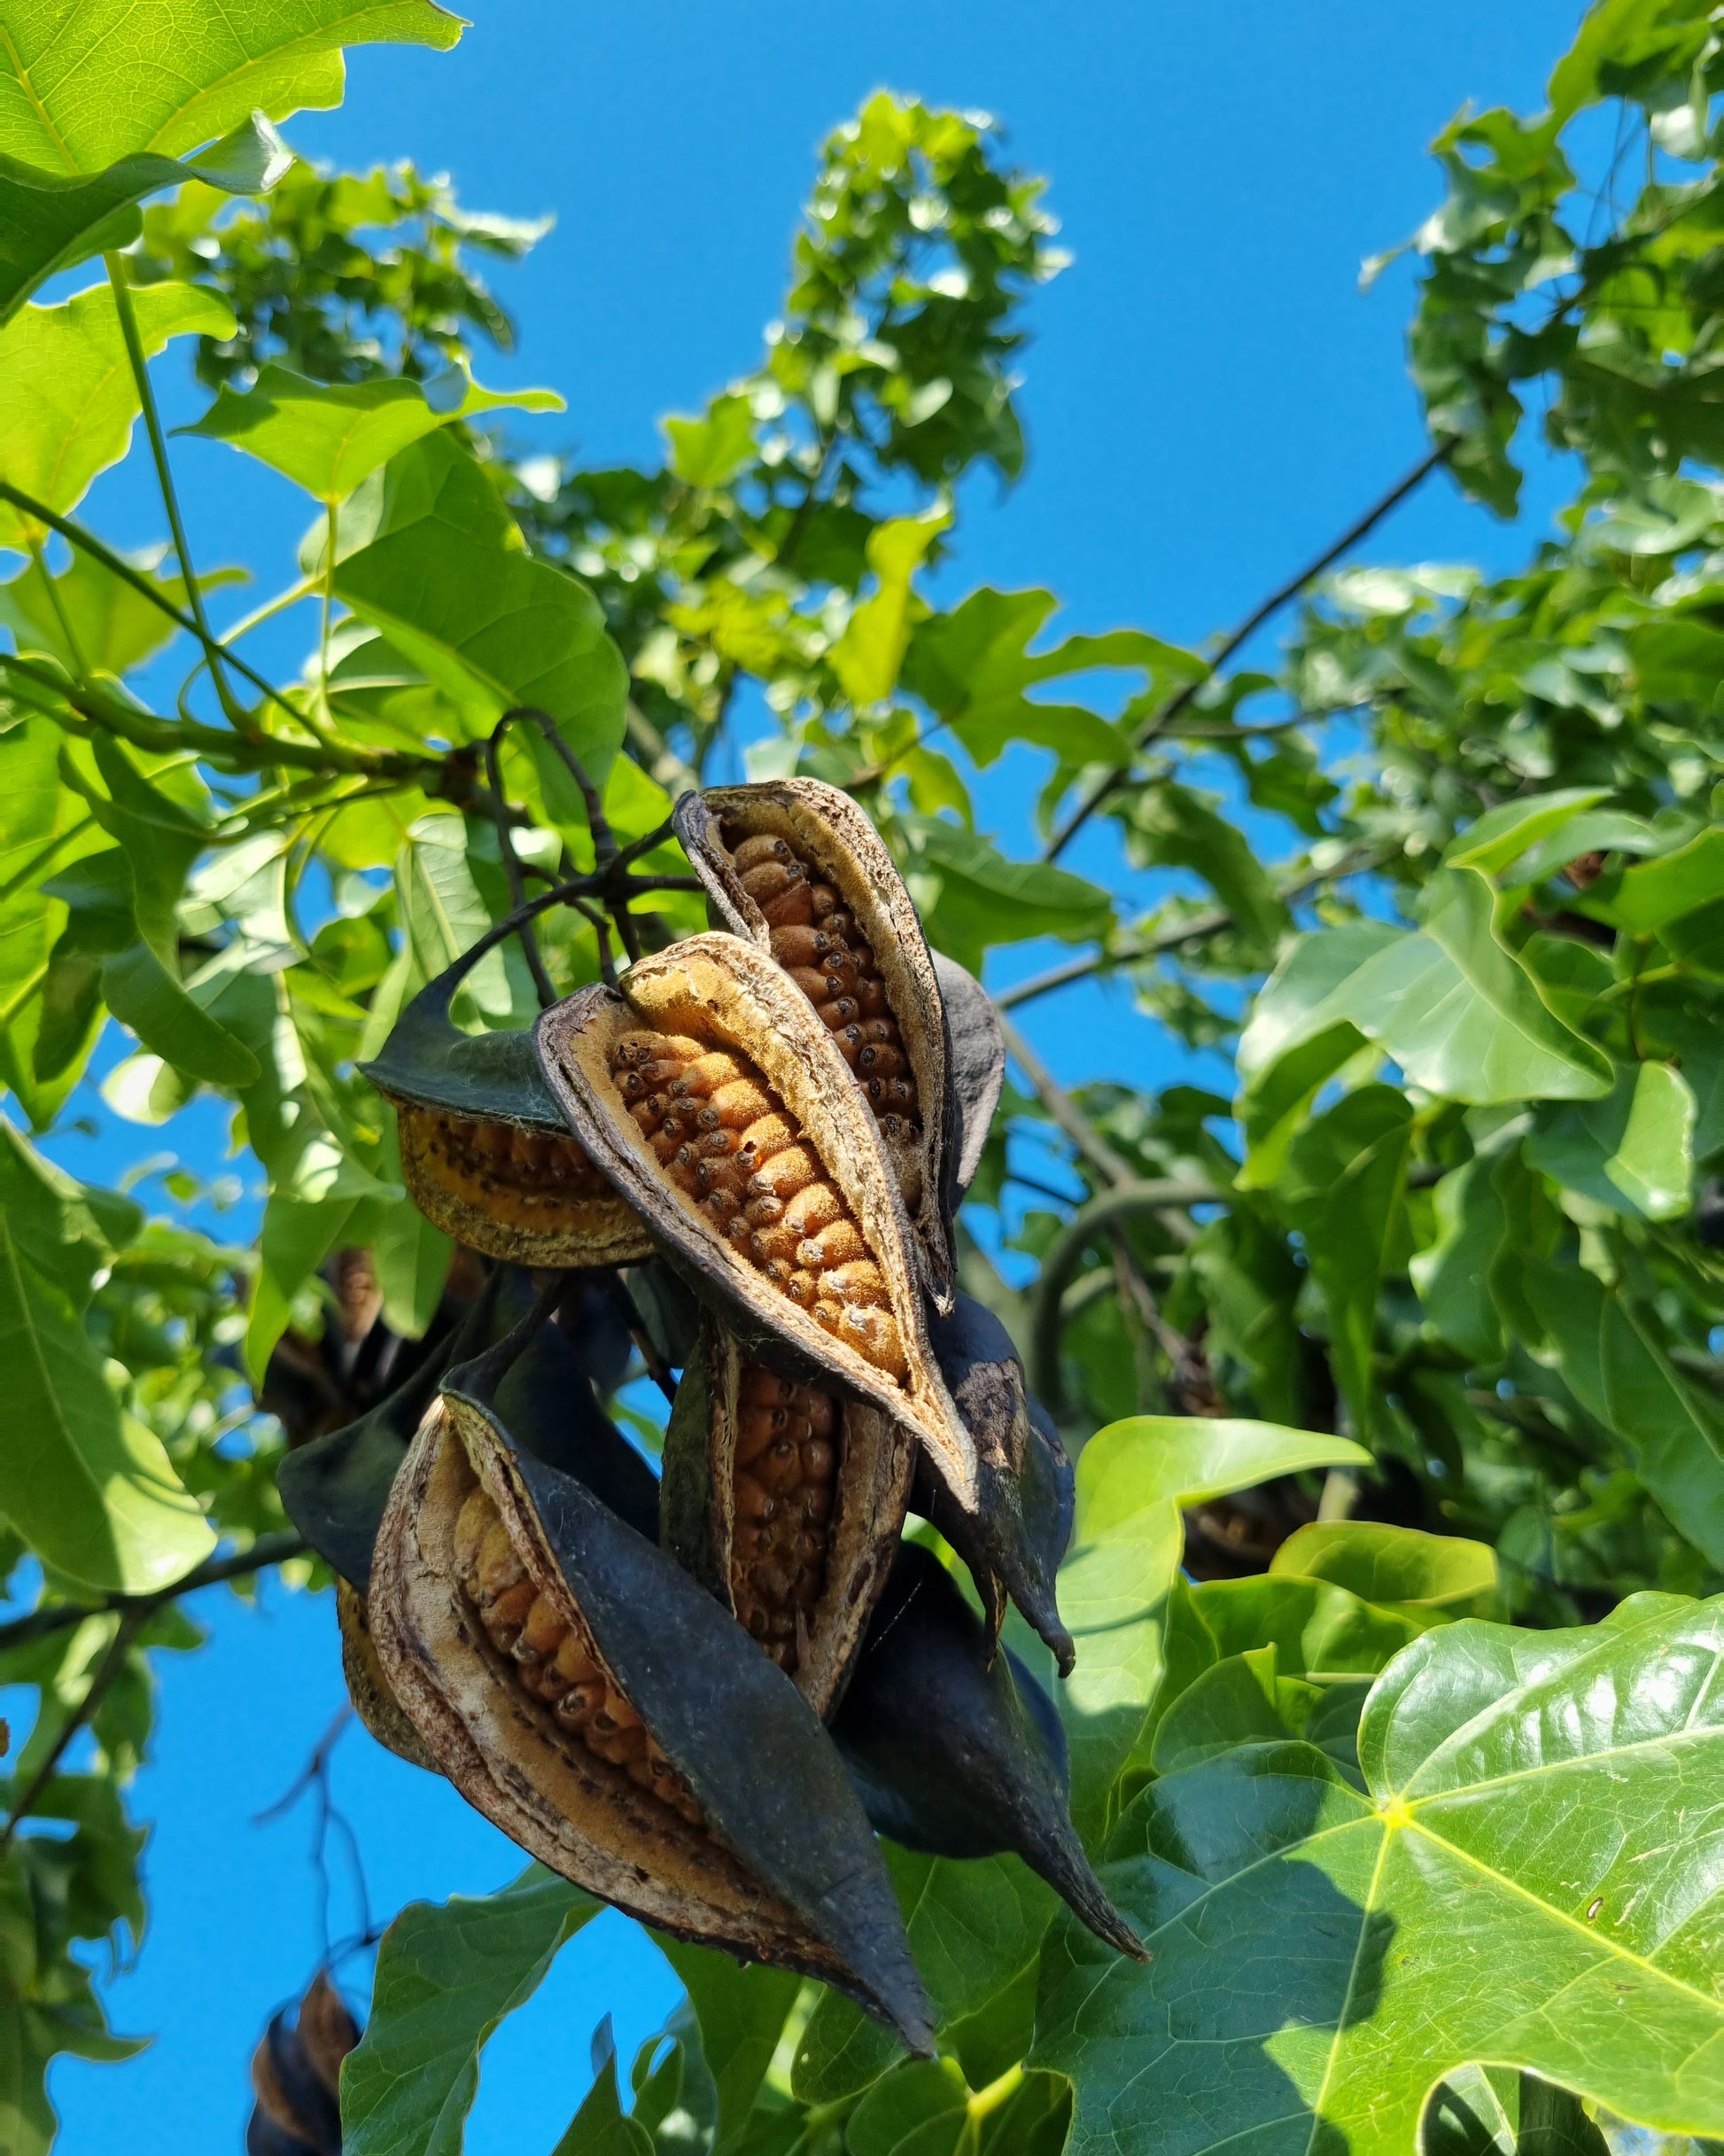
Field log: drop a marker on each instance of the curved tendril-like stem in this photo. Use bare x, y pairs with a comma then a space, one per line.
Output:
1062, 1262
517, 890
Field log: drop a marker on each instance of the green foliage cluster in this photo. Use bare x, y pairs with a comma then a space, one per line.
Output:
1406, 1329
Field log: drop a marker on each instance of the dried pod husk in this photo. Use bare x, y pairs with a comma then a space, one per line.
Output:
787, 1500
958, 1751
796, 867
334, 1490
296, 2075
975, 1071
485, 1154
680, 1775
711, 1094
367, 1687
1015, 1538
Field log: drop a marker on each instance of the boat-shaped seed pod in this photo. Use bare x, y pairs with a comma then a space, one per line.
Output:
368, 1689
717, 1102
1015, 1537
795, 866
486, 1156
958, 1751
594, 1702
976, 1072
787, 1500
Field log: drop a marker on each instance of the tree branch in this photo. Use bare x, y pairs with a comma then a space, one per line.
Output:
1064, 1110
131, 1623
1161, 720
267, 1550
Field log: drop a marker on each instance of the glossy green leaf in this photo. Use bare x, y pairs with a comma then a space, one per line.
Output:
448, 580
447, 1974
970, 896
70, 398
90, 1490
741, 2012
327, 436
1501, 835
973, 1925
1653, 893
1449, 1002
601, 2127
710, 451
85, 82
1440, 1575
94, 621
1345, 1192
1633, 1151
50, 221
1524, 1879
1451, 1275
1243, 1699
1132, 1480
1611, 1359
920, 2109
1286, 1053
866, 657
974, 668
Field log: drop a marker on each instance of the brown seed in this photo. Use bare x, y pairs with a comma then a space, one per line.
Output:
836, 1244
740, 1104
541, 1631
762, 847
804, 946
878, 1060
579, 1705
771, 1135
708, 1072
772, 879
817, 1460
499, 1565
750, 1501
822, 1412
839, 1013
779, 1469
860, 1280
474, 1522
508, 1611
792, 907
786, 1172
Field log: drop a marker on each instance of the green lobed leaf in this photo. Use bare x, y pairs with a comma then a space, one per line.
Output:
1449, 1002
1501, 835
86, 82
601, 2127
70, 397
1132, 1479
972, 896
48, 221
1399, 1568
1533, 1818
448, 579
741, 2012
1612, 1361
90, 1490
93, 621
447, 1974
1633, 1151
866, 657
327, 436
1345, 1192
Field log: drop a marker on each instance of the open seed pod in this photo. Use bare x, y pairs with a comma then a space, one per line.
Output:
787, 1500
1014, 1539
592, 1700
713, 1097
295, 2074
367, 1687
795, 866
484, 1155
976, 1072
959, 1752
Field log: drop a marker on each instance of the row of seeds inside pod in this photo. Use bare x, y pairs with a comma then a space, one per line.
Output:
532, 1167
550, 1661
727, 1142
784, 1477
815, 939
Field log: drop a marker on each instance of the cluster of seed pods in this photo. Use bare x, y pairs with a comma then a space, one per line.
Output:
815, 939
784, 1484
509, 1172
727, 1142
551, 1661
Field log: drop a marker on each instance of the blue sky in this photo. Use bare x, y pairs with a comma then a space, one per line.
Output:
1209, 401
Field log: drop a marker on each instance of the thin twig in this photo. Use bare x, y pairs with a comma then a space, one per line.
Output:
86, 542
119, 280
1161, 720
1064, 1110
629, 1310
63, 1616
517, 890
1197, 927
